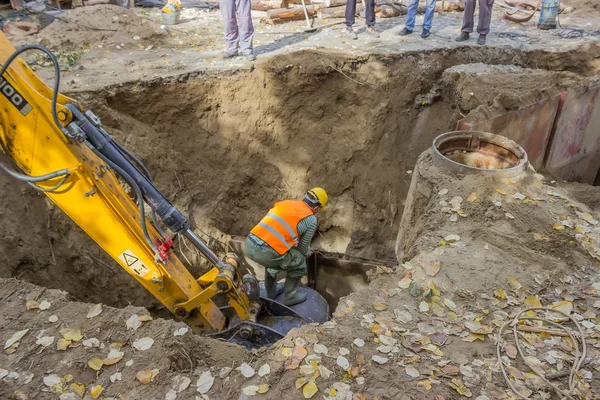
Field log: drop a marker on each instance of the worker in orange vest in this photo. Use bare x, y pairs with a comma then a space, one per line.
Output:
281, 240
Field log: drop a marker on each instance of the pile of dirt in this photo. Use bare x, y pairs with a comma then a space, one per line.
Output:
100, 25
486, 91
61, 341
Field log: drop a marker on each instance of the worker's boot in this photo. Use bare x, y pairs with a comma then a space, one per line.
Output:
273, 288
292, 296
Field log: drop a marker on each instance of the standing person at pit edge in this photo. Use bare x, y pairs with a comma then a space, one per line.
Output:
412, 15
233, 35
485, 18
281, 240
351, 18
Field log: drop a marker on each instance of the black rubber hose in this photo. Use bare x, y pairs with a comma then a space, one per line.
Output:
55, 174
136, 188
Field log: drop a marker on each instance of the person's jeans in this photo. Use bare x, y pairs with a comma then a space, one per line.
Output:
412, 14
351, 12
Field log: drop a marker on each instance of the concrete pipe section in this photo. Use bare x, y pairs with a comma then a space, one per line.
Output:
470, 152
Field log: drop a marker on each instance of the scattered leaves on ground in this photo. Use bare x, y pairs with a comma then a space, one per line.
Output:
73, 335
247, 371
309, 390
15, 338
95, 363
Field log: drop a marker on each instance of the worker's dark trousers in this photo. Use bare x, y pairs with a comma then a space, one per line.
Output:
485, 16
351, 12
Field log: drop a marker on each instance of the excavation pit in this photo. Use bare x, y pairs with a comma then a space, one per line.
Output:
479, 152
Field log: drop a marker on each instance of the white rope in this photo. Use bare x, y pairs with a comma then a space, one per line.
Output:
579, 355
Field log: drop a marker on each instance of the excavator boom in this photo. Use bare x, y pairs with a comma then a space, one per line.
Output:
59, 149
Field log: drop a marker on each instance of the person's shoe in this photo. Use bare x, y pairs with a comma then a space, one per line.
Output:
250, 56
405, 32
273, 288
481, 40
292, 296
463, 36
227, 55
425, 33
350, 33
372, 32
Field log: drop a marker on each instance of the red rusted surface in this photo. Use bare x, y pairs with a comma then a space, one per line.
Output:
574, 153
529, 126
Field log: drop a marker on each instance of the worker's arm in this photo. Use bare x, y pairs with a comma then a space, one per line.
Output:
306, 229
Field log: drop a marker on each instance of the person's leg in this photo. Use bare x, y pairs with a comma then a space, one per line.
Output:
412, 15
429, 12
370, 13
467, 25
485, 17
350, 13
269, 259
231, 29
294, 265
244, 16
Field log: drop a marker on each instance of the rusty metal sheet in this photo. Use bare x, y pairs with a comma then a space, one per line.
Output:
574, 153
529, 126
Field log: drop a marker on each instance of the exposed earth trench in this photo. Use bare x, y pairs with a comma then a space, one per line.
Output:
223, 147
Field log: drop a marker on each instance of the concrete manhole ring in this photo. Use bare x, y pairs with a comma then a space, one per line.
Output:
472, 152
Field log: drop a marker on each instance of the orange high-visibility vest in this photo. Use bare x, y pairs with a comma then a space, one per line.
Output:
279, 228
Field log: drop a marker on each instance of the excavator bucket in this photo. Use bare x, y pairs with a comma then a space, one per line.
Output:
275, 320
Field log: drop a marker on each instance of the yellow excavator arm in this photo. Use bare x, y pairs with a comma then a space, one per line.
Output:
57, 148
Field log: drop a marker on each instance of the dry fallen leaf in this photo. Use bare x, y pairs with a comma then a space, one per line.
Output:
143, 343
246, 370
78, 389
53, 318
62, 344
423, 307
511, 351
472, 197
94, 311
404, 283
300, 382
460, 387
95, 363
379, 306
500, 294
133, 322
502, 192
425, 383
320, 348
73, 335
32, 305
205, 382
379, 359
15, 338
558, 226
514, 283
144, 318
144, 376
432, 269
298, 354
343, 362
450, 304
564, 306
51, 380
181, 331
115, 377
309, 390
111, 361
412, 372
264, 370
45, 341
44, 305
96, 391
532, 301
250, 390
262, 389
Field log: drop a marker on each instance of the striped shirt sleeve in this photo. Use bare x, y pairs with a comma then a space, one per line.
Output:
307, 228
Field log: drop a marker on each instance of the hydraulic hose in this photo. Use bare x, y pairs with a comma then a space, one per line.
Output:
63, 172
135, 187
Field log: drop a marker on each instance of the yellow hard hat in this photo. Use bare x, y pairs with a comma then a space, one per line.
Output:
320, 195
